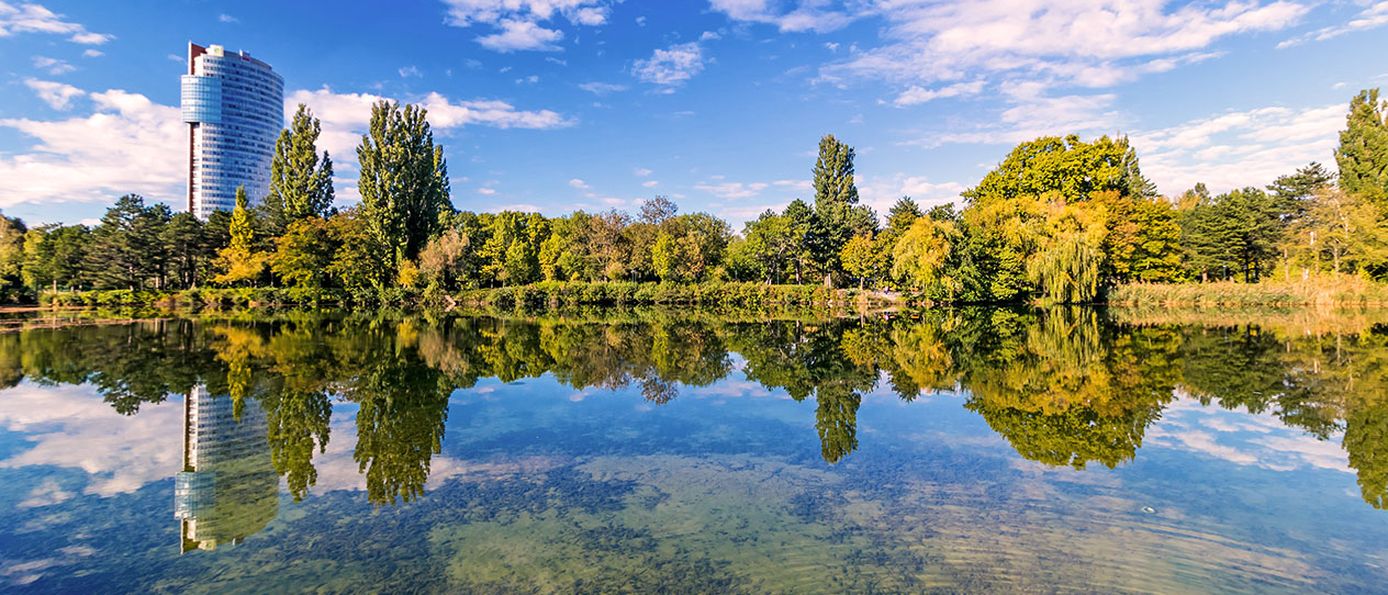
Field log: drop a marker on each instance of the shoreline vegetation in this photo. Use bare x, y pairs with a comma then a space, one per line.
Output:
1059, 220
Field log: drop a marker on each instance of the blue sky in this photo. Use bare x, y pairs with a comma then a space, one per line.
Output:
556, 105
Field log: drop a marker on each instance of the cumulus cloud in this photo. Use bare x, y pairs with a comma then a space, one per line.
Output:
522, 35
59, 96
518, 22
881, 192
1238, 148
128, 144
671, 67
70, 427
226, 18
132, 144
35, 18
345, 115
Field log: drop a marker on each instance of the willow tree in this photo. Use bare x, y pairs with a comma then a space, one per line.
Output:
301, 184
1068, 265
404, 181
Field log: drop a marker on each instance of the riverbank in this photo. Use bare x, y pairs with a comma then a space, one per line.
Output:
1323, 291
534, 296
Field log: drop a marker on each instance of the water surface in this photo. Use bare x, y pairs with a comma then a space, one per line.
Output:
977, 450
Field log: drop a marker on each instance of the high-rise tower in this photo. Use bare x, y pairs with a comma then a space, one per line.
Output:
234, 107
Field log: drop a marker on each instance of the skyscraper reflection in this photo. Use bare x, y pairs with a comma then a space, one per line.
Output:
228, 489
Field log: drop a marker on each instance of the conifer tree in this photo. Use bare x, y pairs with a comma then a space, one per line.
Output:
837, 214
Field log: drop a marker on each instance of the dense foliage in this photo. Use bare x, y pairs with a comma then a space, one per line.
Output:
1058, 220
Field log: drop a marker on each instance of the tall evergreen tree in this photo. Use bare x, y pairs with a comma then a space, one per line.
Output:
404, 180
1363, 152
837, 214
115, 260
301, 184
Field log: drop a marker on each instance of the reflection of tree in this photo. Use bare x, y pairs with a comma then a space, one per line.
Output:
297, 421
400, 424
1366, 441
836, 420
1068, 393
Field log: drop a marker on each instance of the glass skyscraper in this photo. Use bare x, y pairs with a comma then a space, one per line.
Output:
234, 107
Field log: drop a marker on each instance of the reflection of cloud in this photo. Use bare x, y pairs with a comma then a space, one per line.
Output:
46, 493
70, 426
1243, 438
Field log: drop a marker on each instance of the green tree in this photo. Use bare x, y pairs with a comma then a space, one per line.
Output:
689, 247
125, 251
1068, 166
301, 184
304, 254
360, 264
403, 182
183, 238
12, 240
920, 257
838, 216
864, 259
1363, 151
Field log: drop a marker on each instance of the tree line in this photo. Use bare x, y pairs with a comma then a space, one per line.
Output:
1059, 219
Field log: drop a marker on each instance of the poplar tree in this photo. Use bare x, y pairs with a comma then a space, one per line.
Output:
301, 184
1363, 152
404, 181
837, 214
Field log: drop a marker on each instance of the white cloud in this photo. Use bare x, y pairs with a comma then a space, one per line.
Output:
1373, 16
601, 89
519, 21
733, 190
1237, 149
929, 45
521, 36
578, 183
53, 66
128, 144
917, 95
1030, 114
803, 15
92, 53
226, 18
70, 427
881, 192
345, 115
650, 184
34, 18
410, 72
671, 67
486, 191
642, 172
59, 96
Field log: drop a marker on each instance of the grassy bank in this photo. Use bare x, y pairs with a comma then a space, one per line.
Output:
534, 296
550, 294
231, 297
1320, 291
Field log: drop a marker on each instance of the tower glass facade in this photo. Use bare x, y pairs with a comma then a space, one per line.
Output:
233, 105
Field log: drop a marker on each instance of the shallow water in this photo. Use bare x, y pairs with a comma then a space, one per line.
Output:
975, 450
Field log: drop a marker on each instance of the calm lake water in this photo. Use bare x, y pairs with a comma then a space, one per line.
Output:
974, 450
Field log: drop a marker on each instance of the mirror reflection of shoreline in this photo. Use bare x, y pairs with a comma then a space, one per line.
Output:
1065, 387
